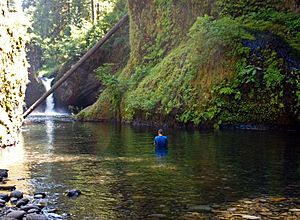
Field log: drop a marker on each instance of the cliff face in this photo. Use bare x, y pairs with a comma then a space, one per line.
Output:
35, 88
83, 88
237, 64
13, 75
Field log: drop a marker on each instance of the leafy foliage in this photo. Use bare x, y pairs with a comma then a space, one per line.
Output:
239, 66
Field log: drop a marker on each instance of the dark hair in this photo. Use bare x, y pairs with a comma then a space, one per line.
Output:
160, 131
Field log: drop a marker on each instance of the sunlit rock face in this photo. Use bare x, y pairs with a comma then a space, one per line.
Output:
13, 73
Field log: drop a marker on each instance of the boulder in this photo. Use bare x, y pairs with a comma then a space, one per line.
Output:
26, 208
16, 214
36, 217
22, 202
16, 194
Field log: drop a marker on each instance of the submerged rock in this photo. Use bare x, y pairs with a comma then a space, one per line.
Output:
73, 193
200, 208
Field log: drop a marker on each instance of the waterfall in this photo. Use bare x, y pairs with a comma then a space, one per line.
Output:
50, 99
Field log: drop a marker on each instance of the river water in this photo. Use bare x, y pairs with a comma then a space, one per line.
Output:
121, 177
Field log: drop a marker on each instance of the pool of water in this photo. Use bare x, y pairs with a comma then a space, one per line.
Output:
121, 177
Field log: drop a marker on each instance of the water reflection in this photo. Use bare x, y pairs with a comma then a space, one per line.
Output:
49, 131
122, 176
14, 159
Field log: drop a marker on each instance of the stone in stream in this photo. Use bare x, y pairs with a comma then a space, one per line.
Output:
3, 173
200, 208
14, 200
251, 217
30, 211
157, 216
2, 204
4, 197
30, 206
73, 193
22, 202
16, 194
36, 217
16, 214
41, 195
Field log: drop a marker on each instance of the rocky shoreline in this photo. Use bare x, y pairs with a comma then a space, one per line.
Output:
15, 204
263, 208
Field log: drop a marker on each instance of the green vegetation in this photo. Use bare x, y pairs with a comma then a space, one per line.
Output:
65, 29
240, 65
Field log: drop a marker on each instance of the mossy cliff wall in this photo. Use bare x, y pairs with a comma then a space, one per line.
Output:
13, 75
208, 63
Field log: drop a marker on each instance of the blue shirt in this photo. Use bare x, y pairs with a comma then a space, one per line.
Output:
161, 141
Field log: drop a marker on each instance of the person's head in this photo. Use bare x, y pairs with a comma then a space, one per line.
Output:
160, 132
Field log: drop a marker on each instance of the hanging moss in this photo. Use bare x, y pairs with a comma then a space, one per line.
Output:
13, 74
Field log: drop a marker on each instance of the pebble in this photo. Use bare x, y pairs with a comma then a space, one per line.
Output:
294, 210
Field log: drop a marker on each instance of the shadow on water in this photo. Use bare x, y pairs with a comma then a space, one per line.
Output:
122, 176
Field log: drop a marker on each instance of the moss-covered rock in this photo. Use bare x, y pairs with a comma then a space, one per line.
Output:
238, 65
13, 74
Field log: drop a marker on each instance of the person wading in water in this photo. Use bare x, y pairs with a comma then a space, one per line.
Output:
161, 144
161, 141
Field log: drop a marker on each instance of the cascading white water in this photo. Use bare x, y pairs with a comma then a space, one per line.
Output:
50, 99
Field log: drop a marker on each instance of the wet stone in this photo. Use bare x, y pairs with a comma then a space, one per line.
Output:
251, 217
4, 197
40, 195
294, 210
200, 208
157, 216
22, 202
36, 217
14, 200
30, 206
16, 194
3, 173
16, 214
33, 211
73, 193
